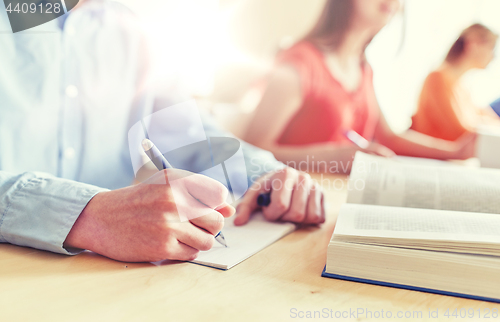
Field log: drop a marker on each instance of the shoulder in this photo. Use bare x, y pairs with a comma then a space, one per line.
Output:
436, 77
303, 51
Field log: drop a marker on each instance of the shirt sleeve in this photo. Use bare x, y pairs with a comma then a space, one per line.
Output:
38, 210
257, 161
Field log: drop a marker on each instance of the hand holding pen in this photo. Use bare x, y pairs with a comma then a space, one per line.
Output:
283, 195
367, 146
140, 223
161, 163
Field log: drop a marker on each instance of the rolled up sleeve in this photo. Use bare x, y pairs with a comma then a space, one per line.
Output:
38, 210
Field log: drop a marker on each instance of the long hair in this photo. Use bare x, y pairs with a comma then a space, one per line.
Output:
333, 24
458, 48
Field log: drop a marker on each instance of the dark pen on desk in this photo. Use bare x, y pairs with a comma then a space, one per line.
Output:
161, 163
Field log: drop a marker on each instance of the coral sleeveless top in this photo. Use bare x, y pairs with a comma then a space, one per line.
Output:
327, 110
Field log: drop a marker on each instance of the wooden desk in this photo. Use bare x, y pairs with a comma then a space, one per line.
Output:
42, 286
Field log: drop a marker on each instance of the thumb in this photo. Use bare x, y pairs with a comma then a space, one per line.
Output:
248, 203
243, 212
246, 207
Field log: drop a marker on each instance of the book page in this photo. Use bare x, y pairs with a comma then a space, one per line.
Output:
243, 241
431, 229
381, 181
487, 146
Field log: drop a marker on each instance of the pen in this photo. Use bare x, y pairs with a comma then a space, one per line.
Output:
357, 139
264, 199
161, 164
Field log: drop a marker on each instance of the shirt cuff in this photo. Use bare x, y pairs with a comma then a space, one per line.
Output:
40, 210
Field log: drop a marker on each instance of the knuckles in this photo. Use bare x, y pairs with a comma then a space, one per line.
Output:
297, 216
278, 207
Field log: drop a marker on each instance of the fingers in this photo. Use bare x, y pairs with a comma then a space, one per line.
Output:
299, 203
283, 184
244, 210
212, 223
195, 237
226, 210
180, 251
378, 149
207, 190
295, 197
466, 146
248, 203
315, 206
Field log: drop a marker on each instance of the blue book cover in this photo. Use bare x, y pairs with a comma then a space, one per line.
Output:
407, 287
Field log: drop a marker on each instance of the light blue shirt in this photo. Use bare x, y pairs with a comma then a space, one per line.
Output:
68, 96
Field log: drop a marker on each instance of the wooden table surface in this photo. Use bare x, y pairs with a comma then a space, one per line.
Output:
281, 283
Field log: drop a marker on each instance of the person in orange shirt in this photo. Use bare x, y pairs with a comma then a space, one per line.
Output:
445, 108
322, 88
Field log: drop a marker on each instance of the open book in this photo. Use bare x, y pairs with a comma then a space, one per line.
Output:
417, 226
243, 241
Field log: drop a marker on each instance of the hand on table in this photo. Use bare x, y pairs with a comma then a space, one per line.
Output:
465, 146
141, 223
295, 197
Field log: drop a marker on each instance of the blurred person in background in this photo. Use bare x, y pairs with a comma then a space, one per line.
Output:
445, 108
322, 87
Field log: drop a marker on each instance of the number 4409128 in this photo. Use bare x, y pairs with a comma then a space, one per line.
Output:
33, 8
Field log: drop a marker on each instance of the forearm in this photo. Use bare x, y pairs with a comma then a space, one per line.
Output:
415, 144
321, 157
250, 160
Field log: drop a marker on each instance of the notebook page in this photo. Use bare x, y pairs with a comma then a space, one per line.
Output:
243, 241
381, 222
380, 181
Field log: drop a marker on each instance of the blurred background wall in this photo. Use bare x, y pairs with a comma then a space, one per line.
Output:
215, 50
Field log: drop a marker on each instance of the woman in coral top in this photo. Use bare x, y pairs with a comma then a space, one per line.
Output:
445, 109
322, 87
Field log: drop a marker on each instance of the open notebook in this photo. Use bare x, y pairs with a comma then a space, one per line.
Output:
243, 241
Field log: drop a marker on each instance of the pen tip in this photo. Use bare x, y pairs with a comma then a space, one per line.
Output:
147, 144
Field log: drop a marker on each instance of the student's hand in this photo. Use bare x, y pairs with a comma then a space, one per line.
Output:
295, 197
141, 222
379, 149
343, 155
465, 146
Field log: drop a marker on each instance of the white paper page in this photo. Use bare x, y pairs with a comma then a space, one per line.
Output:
409, 223
472, 162
487, 147
243, 241
381, 181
